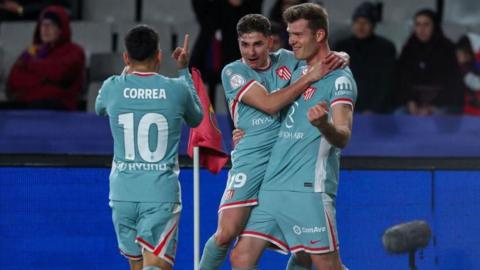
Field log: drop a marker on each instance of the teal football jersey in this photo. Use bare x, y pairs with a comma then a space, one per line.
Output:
237, 78
146, 111
251, 154
302, 159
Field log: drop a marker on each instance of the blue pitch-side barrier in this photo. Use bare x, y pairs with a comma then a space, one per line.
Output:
59, 219
374, 136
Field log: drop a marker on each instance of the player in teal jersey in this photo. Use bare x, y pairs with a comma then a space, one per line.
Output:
146, 111
296, 210
251, 86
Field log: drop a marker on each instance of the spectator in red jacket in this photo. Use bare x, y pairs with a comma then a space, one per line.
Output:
50, 74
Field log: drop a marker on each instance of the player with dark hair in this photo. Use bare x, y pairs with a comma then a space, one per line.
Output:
296, 212
257, 87
146, 111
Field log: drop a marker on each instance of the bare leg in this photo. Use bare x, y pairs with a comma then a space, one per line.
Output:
151, 260
231, 223
299, 261
329, 261
247, 252
136, 265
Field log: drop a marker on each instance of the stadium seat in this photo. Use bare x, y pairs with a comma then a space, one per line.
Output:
109, 10
454, 30
14, 38
403, 11
104, 65
94, 37
171, 11
397, 32
92, 92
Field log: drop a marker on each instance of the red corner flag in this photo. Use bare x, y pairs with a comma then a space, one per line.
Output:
207, 136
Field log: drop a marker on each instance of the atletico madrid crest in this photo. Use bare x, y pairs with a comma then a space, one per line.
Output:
308, 94
284, 73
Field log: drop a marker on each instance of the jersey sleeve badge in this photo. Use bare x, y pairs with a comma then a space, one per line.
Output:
236, 81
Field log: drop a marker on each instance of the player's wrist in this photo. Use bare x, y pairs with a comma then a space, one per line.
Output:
323, 125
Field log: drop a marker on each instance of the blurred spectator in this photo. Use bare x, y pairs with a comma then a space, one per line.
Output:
468, 57
206, 50
15, 10
276, 16
211, 53
50, 74
372, 60
428, 74
230, 12
277, 41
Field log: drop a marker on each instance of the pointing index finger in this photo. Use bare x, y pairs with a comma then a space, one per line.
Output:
185, 42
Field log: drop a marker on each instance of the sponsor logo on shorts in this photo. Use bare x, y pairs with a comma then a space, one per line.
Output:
313, 242
299, 230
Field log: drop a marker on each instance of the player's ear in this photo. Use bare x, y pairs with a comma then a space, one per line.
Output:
320, 35
159, 56
126, 59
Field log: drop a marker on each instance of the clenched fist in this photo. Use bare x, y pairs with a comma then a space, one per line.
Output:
318, 114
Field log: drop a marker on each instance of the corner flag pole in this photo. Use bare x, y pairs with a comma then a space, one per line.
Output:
196, 208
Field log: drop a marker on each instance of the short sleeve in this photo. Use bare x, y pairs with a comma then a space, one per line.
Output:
101, 101
236, 82
344, 90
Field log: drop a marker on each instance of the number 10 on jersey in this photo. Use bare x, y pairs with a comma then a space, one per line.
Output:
143, 144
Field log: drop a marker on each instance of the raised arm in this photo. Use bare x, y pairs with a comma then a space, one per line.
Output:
255, 94
193, 107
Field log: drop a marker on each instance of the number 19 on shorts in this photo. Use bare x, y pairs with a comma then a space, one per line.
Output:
143, 144
237, 180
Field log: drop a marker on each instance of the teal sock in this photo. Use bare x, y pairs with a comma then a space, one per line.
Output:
292, 264
251, 268
151, 268
213, 255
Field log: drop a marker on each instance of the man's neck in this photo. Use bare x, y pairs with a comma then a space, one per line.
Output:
322, 52
143, 68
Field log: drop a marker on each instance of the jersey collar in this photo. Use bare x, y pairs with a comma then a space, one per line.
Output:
144, 74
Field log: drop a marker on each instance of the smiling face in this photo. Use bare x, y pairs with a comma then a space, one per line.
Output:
254, 48
304, 41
